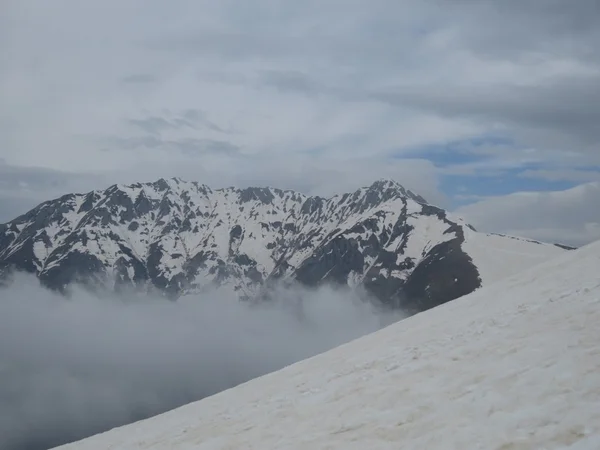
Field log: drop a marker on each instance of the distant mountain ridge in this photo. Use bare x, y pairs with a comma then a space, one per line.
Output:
181, 237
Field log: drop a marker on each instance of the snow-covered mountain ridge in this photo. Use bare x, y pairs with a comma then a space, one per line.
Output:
512, 366
181, 236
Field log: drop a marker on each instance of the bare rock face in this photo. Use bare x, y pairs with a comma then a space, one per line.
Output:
180, 237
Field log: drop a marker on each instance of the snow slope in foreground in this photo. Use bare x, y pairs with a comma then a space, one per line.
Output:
497, 257
515, 365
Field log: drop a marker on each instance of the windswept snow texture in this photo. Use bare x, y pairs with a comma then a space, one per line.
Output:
512, 366
182, 237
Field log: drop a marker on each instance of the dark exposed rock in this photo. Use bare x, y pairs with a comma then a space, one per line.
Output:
445, 274
74, 267
430, 210
312, 205
565, 247
192, 265
236, 232
331, 263
253, 274
88, 204
416, 197
162, 185
263, 195
23, 258
142, 204
244, 260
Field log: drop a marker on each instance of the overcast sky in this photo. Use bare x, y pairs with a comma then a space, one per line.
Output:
489, 108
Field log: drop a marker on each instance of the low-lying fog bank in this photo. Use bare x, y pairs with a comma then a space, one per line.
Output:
75, 367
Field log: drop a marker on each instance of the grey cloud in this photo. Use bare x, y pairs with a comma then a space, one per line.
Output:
530, 66
288, 81
15, 177
569, 217
189, 146
194, 115
366, 37
155, 125
39, 179
291, 81
131, 143
199, 118
194, 120
515, 28
142, 78
22, 188
567, 109
190, 118
581, 175
198, 147
571, 107
12, 206
75, 368
387, 32
238, 45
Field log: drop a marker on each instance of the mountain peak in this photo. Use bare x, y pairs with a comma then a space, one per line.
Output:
387, 184
181, 237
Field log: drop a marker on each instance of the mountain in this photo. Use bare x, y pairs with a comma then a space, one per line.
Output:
512, 366
181, 237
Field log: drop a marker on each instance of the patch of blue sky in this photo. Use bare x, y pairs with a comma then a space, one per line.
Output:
464, 189
486, 173
590, 168
461, 152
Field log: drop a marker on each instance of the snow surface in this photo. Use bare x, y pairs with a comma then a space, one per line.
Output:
497, 257
515, 365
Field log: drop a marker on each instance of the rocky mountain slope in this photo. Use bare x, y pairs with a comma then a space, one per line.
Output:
181, 237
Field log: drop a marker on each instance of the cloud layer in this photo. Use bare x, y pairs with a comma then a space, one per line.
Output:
71, 368
307, 95
569, 217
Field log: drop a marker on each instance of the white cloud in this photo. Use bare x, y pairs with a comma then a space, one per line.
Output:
570, 217
563, 174
313, 94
